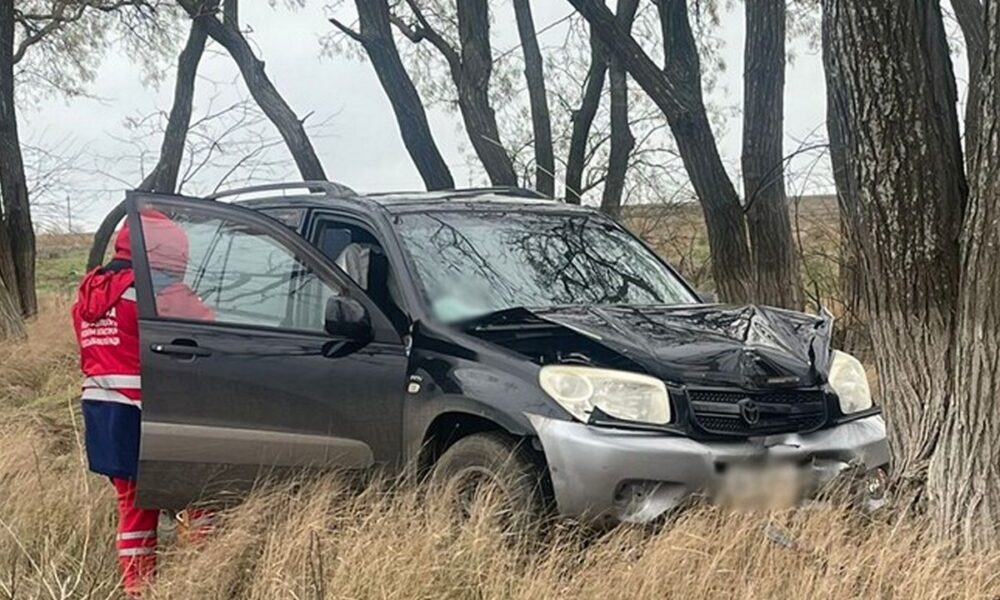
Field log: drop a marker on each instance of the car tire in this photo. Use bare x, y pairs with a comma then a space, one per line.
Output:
492, 461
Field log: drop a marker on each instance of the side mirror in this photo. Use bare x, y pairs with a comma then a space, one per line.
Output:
347, 318
707, 297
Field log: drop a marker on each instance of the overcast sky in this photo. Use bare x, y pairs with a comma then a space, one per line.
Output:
360, 143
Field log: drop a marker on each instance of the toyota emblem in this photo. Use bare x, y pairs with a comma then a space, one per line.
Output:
749, 410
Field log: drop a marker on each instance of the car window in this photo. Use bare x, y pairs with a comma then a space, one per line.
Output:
357, 252
209, 268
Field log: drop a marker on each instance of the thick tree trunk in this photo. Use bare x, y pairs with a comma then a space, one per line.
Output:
472, 77
375, 35
163, 177
263, 91
583, 118
16, 214
893, 99
964, 485
541, 123
622, 140
852, 327
969, 14
775, 261
676, 90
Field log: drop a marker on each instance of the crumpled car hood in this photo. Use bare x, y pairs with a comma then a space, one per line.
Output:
752, 347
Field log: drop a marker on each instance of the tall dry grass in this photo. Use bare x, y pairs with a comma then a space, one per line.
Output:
323, 539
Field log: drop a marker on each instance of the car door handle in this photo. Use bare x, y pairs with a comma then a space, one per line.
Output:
182, 348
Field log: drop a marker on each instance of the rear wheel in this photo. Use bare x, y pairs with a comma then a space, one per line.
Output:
492, 472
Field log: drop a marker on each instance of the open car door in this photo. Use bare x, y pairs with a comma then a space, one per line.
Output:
259, 356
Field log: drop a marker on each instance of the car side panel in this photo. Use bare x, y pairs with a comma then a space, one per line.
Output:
453, 372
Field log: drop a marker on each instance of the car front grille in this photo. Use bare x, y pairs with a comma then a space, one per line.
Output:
739, 413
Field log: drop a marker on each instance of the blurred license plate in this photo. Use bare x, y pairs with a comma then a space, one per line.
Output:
762, 486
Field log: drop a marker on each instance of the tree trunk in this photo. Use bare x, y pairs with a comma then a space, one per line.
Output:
11, 320
263, 91
231, 13
541, 123
775, 261
685, 111
583, 118
473, 81
163, 177
470, 66
852, 327
375, 35
893, 99
16, 213
622, 140
964, 485
676, 90
969, 14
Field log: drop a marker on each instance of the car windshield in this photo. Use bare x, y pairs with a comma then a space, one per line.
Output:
472, 263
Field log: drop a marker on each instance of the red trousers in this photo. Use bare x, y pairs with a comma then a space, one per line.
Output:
137, 536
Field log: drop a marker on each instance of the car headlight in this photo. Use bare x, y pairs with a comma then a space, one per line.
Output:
620, 394
849, 380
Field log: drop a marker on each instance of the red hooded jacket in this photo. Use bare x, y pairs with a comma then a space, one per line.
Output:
106, 321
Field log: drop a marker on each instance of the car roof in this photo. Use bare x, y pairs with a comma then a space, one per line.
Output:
325, 195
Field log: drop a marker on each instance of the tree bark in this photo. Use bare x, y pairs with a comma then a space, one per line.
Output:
473, 81
676, 90
583, 118
11, 322
19, 249
964, 485
893, 100
375, 36
970, 16
775, 261
163, 177
541, 123
852, 327
622, 140
263, 91
471, 66
231, 13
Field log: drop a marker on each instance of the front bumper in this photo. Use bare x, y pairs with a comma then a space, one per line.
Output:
635, 476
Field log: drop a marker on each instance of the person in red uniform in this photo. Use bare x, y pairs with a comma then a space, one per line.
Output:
106, 321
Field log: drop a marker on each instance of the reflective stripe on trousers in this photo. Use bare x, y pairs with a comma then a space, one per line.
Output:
136, 538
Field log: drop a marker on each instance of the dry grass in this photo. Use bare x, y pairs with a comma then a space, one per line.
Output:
318, 539
677, 232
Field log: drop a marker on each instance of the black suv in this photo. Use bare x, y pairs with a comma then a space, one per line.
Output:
472, 331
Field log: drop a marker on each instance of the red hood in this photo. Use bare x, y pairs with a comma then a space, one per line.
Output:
99, 291
166, 243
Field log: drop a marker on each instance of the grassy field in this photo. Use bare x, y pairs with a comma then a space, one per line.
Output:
677, 231
320, 539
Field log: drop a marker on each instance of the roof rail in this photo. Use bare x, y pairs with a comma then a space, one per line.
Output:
521, 192
464, 192
312, 187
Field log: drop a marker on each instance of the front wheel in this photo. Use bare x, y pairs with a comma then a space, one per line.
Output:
494, 472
